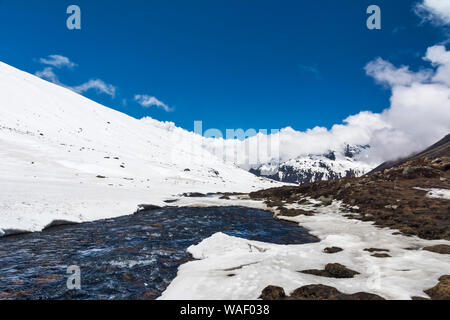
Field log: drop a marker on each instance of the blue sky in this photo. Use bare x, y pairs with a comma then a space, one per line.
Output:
232, 64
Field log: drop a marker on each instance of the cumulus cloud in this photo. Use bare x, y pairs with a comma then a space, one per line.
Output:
57, 61
150, 101
387, 74
435, 11
48, 74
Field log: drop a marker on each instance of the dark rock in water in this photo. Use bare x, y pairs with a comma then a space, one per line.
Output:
171, 201
13, 232
316, 292
147, 207
272, 293
56, 223
332, 250
442, 290
333, 270
440, 248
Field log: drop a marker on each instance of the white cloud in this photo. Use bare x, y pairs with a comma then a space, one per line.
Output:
435, 11
150, 101
418, 116
386, 73
48, 74
98, 85
57, 61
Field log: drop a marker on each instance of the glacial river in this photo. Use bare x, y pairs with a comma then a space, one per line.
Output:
130, 257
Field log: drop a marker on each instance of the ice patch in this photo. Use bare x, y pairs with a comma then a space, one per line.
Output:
439, 194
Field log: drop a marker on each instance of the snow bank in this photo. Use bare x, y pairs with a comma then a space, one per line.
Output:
234, 268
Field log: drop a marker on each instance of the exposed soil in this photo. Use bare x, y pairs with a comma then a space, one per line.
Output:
440, 248
392, 198
332, 250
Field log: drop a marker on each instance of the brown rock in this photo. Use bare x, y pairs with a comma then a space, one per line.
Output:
441, 291
380, 255
272, 293
333, 270
319, 292
376, 250
332, 250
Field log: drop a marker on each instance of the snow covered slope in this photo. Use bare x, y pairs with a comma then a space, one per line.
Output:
65, 157
311, 168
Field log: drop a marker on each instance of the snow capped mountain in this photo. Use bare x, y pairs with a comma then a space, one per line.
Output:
64, 157
311, 168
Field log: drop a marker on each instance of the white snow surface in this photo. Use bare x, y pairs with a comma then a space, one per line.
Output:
255, 265
54, 143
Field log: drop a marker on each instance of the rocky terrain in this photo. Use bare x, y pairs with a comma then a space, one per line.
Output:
411, 196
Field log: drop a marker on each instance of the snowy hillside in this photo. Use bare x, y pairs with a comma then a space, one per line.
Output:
65, 157
311, 168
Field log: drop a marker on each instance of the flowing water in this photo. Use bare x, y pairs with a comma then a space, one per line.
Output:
130, 257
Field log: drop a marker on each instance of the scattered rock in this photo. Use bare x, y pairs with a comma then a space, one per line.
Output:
332, 250
272, 293
187, 170
440, 248
315, 292
442, 290
333, 270
193, 195
380, 255
101, 177
147, 207
371, 250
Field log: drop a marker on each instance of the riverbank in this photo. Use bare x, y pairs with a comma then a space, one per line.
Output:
388, 263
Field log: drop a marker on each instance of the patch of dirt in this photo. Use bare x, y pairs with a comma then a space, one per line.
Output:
333, 270
441, 291
314, 292
440, 248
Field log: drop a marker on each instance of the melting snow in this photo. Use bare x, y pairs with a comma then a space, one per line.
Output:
234, 268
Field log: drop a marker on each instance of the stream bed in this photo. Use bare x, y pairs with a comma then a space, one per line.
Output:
130, 257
